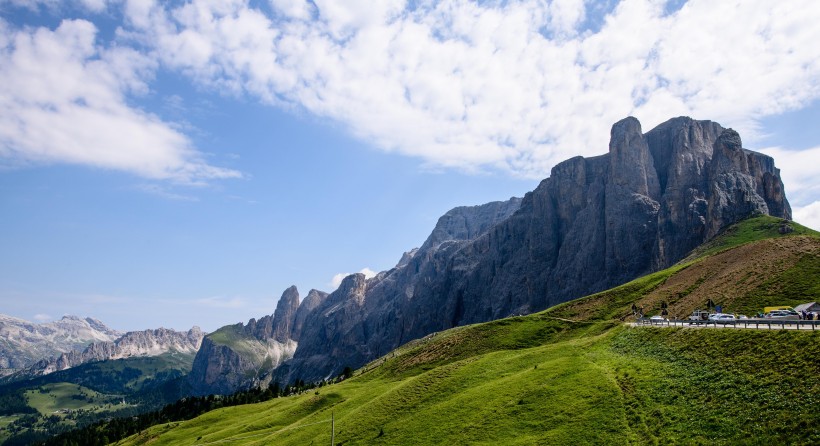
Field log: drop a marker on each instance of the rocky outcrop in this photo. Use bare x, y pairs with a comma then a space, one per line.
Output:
682, 151
23, 343
311, 302
346, 329
243, 355
229, 362
742, 183
132, 344
466, 223
593, 224
333, 326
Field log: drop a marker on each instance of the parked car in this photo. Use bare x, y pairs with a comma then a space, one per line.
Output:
699, 315
789, 315
655, 319
723, 318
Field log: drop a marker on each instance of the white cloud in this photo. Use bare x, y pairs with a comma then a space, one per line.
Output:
516, 86
295, 9
368, 273
808, 215
800, 170
337, 279
65, 99
42, 317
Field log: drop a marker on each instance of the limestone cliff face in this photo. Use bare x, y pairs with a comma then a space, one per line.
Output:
332, 326
311, 302
468, 222
277, 326
241, 356
23, 343
349, 327
682, 151
742, 183
223, 366
593, 224
132, 344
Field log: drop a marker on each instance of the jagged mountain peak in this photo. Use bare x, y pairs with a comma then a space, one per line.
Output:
23, 343
151, 342
285, 314
231, 357
595, 223
406, 257
468, 222
290, 294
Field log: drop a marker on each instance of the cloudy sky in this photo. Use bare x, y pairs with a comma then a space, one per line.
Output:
183, 162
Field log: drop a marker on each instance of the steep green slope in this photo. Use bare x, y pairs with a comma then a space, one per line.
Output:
575, 374
626, 385
751, 230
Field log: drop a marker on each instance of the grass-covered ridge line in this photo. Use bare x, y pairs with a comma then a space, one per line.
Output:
751, 230
749, 266
577, 385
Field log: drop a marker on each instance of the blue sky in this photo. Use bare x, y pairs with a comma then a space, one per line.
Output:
180, 163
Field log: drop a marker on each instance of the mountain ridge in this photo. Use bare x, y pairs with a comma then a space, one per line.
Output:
23, 343
593, 224
151, 342
575, 373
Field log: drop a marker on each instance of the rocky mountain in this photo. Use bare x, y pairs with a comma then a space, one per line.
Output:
242, 355
132, 344
594, 223
23, 343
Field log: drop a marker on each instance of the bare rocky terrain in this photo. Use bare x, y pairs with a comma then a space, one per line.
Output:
23, 343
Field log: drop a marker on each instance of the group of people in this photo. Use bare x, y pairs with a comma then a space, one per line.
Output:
809, 316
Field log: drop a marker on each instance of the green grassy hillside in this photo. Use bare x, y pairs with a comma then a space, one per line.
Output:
575, 374
46, 405
586, 383
66, 397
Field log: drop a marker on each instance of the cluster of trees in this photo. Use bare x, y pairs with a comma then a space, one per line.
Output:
14, 402
33, 428
108, 431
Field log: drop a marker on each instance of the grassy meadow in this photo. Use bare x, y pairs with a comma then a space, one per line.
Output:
53, 398
585, 383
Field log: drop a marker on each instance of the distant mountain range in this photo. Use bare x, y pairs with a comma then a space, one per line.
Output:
28, 350
132, 344
593, 224
23, 343
88, 372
